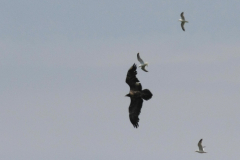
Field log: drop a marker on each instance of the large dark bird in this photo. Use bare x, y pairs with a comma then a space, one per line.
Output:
136, 94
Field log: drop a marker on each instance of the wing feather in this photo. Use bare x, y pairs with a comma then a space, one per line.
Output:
139, 59
182, 16
143, 68
135, 110
200, 145
182, 24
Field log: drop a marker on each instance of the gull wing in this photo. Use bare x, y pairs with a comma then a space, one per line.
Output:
132, 80
139, 59
200, 145
143, 68
182, 16
182, 24
135, 110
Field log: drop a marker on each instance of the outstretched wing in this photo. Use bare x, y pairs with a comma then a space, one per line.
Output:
132, 80
143, 68
182, 16
139, 59
182, 24
135, 110
200, 145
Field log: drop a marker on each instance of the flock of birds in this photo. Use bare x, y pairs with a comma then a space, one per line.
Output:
137, 95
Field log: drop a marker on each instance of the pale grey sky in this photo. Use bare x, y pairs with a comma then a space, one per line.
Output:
63, 70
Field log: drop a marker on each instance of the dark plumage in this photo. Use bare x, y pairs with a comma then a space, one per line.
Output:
136, 94
182, 25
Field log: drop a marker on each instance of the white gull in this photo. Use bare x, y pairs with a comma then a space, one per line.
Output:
143, 64
201, 148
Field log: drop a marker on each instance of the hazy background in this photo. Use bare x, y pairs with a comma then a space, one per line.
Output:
63, 69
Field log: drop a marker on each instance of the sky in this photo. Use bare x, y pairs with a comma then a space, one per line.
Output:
63, 67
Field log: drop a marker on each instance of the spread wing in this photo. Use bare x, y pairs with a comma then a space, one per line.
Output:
182, 24
200, 145
135, 110
139, 59
132, 80
143, 68
182, 16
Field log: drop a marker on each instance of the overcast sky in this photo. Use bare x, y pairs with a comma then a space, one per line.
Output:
63, 69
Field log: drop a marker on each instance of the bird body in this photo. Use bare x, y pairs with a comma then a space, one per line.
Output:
183, 21
201, 148
143, 64
136, 95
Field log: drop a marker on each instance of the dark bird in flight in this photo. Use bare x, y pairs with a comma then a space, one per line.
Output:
136, 94
183, 21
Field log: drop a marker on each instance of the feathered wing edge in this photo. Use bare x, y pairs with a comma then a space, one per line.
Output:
182, 16
139, 59
182, 25
144, 69
135, 110
200, 145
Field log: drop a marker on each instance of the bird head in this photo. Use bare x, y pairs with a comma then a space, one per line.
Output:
127, 95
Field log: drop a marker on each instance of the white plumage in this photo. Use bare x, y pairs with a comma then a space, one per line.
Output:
143, 64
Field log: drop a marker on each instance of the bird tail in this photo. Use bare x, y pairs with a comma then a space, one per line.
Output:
146, 94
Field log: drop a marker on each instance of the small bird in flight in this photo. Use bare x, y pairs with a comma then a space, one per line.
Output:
143, 64
183, 21
201, 148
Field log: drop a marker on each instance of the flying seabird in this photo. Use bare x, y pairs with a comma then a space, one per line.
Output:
183, 21
143, 64
136, 94
201, 148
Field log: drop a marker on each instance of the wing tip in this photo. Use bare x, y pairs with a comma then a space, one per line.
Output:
144, 70
134, 66
138, 56
134, 121
182, 25
135, 125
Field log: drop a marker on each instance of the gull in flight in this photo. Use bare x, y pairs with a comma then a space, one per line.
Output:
201, 148
143, 64
183, 21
